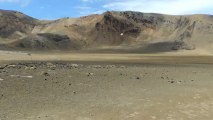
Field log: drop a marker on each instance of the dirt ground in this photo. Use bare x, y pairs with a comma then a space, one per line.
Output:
129, 58
106, 90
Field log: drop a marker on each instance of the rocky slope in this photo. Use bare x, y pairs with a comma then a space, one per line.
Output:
143, 32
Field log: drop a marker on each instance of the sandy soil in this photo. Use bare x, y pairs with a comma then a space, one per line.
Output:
65, 91
160, 58
105, 87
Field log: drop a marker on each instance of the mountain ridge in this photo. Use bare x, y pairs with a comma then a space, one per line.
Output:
113, 29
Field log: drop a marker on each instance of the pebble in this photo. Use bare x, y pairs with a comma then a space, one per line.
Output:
51, 66
1, 79
74, 65
179, 82
30, 68
90, 74
172, 81
97, 66
45, 74
122, 67
11, 66
110, 66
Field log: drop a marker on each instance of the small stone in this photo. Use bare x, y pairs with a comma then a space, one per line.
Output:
74, 65
90, 74
179, 82
122, 67
26, 68
97, 66
45, 74
51, 66
1, 79
32, 68
110, 66
11, 66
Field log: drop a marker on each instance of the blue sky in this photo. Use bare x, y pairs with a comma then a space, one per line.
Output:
54, 9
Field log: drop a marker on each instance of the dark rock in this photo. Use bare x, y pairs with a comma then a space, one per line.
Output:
172, 81
45, 74
3, 66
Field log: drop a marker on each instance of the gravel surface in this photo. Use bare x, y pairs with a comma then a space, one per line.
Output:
70, 91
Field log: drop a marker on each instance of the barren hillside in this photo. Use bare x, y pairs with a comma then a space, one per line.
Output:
124, 31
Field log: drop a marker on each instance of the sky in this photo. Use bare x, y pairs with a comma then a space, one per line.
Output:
54, 9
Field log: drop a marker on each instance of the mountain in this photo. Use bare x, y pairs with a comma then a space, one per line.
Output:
125, 31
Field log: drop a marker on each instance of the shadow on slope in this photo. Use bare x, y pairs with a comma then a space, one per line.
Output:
159, 47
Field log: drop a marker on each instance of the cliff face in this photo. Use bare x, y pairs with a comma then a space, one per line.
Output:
147, 31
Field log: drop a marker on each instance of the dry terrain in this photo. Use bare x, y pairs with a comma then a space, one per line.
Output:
112, 66
124, 31
80, 86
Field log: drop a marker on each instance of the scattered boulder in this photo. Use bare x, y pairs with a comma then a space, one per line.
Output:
51, 66
11, 66
110, 66
74, 65
32, 67
97, 66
